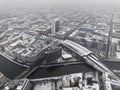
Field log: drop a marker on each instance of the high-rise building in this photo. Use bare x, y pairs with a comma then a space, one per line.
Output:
56, 26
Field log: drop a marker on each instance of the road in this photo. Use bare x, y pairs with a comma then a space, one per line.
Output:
112, 51
109, 38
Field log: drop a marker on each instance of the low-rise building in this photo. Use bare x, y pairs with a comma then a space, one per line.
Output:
23, 84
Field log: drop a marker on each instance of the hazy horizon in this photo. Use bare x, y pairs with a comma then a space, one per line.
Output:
46, 3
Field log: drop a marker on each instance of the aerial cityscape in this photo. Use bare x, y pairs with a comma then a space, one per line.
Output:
59, 45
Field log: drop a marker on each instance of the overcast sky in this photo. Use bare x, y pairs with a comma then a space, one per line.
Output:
33, 3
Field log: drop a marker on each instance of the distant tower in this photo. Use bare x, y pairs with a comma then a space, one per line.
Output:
56, 26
